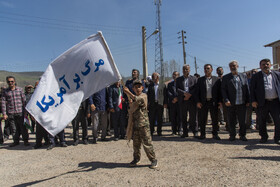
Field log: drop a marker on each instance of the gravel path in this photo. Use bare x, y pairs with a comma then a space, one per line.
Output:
182, 162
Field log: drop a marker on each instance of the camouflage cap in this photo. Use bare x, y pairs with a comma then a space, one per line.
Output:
137, 82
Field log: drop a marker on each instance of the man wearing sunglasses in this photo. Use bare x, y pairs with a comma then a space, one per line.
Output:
13, 104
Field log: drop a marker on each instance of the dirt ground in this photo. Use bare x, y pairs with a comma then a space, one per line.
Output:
182, 162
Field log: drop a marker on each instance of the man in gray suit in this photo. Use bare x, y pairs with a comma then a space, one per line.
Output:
235, 93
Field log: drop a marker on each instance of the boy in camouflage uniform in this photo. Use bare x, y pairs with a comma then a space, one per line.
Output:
140, 125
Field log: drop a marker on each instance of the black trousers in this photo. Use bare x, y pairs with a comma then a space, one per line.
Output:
238, 111
203, 117
155, 115
188, 107
272, 107
118, 123
40, 134
18, 128
80, 118
175, 117
7, 130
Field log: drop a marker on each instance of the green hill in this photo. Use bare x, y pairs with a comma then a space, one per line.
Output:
22, 78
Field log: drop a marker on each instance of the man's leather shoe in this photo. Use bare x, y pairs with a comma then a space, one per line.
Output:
263, 140
37, 146
94, 141
243, 138
76, 143
104, 140
201, 137
50, 147
63, 144
14, 144
216, 137
231, 138
85, 142
26, 143
184, 135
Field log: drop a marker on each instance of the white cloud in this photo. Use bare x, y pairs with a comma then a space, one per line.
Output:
7, 4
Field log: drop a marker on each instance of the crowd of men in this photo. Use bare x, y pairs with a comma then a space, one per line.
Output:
229, 98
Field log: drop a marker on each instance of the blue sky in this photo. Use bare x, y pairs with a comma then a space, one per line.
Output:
35, 32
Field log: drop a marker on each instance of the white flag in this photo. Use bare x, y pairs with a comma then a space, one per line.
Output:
81, 71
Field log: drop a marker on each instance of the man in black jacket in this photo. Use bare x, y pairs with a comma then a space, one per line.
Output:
265, 95
185, 87
172, 102
235, 93
208, 98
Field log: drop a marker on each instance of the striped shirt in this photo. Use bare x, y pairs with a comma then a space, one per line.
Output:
13, 101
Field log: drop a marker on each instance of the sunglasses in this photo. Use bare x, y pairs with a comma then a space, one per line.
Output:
10, 81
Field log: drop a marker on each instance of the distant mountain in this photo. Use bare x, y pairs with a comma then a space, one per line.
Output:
22, 78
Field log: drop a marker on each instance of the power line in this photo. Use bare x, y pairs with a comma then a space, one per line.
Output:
69, 21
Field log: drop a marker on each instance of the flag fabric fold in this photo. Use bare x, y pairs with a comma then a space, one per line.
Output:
70, 79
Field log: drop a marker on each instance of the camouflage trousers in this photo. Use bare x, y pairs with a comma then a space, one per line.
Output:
142, 135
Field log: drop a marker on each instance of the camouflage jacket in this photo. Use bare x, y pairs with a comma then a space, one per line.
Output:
139, 111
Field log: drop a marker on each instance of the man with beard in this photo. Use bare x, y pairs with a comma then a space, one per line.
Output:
235, 93
13, 104
265, 94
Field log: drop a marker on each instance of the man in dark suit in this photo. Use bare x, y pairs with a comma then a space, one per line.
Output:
81, 117
172, 102
265, 96
235, 93
155, 103
115, 100
208, 98
185, 87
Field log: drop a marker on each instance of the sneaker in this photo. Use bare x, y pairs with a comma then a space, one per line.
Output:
154, 164
134, 163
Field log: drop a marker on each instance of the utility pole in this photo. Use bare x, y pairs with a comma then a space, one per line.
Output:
183, 43
144, 46
144, 50
195, 65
